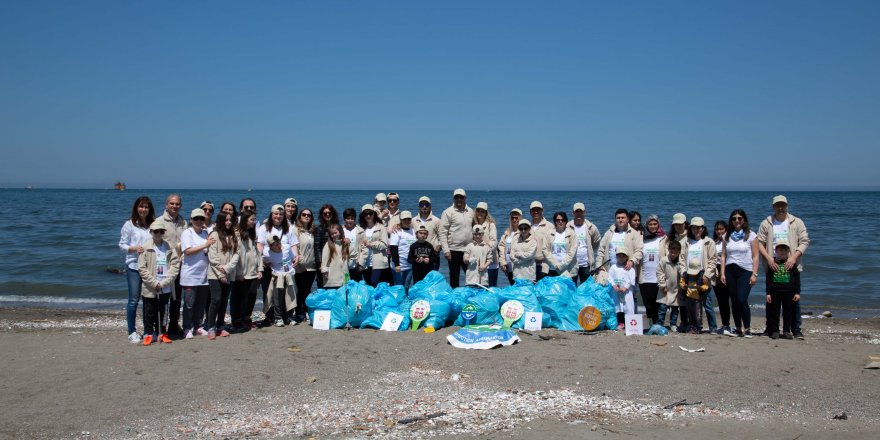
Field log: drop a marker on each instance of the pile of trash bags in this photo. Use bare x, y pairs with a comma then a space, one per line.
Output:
358, 305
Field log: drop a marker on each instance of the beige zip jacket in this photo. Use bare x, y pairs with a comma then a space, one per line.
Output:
250, 263
217, 258
667, 281
334, 271
379, 245
432, 223
567, 266
632, 240
798, 239
147, 268
522, 257
710, 271
455, 229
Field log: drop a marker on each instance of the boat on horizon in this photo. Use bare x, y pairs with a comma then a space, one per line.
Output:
119, 186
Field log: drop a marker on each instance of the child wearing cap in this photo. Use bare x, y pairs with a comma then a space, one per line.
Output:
422, 254
281, 292
400, 242
523, 250
478, 256
783, 289
623, 281
694, 286
667, 280
158, 266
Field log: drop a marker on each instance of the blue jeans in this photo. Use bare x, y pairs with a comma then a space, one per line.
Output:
134, 295
709, 310
739, 288
194, 299
673, 314
403, 278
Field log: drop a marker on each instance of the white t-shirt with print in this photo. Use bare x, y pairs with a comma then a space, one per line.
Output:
651, 260
287, 240
583, 252
695, 250
780, 233
281, 263
617, 240
559, 247
162, 264
403, 238
194, 270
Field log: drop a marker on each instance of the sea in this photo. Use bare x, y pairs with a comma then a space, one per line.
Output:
60, 246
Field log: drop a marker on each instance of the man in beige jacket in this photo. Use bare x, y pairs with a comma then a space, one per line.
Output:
431, 223
175, 225
455, 234
541, 230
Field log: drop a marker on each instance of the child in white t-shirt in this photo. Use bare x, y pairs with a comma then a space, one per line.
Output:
623, 281
281, 291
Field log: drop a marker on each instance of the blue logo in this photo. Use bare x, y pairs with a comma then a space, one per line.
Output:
468, 312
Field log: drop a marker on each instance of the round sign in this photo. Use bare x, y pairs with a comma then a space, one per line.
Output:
419, 310
512, 310
468, 312
589, 318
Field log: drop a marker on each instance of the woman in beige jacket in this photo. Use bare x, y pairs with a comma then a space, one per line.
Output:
247, 274
158, 266
505, 244
523, 251
561, 248
223, 261
374, 251
306, 266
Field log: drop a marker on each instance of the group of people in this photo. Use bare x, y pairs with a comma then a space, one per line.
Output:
189, 273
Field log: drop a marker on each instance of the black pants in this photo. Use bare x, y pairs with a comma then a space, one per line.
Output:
219, 300
319, 278
539, 274
786, 302
723, 296
303, 282
355, 275
154, 314
649, 298
375, 276
456, 267
493, 277
242, 300
174, 306
582, 275
509, 274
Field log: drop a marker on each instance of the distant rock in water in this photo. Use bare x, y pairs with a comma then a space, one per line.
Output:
115, 270
827, 314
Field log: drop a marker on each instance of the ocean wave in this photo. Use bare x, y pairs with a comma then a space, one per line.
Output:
61, 300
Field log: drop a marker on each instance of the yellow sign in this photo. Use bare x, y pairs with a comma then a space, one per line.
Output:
589, 318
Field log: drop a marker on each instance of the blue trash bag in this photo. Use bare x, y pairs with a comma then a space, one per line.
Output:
554, 294
387, 299
359, 294
323, 299
433, 283
590, 293
658, 330
460, 297
524, 292
488, 309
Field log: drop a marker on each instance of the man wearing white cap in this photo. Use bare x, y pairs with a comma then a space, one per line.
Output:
393, 212
541, 229
380, 206
782, 226
456, 233
400, 242
588, 239
431, 223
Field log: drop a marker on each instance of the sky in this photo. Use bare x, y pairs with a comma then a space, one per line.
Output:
565, 95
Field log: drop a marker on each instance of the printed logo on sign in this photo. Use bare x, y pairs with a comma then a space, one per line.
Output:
468, 312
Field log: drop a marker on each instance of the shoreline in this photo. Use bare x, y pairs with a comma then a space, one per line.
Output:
298, 382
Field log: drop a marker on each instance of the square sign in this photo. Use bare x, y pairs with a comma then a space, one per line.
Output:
322, 320
392, 322
634, 324
533, 320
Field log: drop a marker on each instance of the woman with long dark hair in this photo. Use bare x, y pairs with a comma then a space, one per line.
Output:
135, 232
327, 216
739, 270
247, 274
372, 256
648, 284
276, 224
223, 259
307, 267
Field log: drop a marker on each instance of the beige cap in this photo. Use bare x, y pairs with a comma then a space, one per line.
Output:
459, 192
272, 239
782, 243
483, 205
780, 199
478, 229
381, 197
157, 225
406, 215
516, 210
367, 207
679, 219
698, 221
277, 207
421, 228
577, 206
424, 199
206, 203
694, 266
623, 250
197, 213
290, 200
536, 204
524, 222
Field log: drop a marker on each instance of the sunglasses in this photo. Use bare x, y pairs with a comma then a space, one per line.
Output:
524, 228
200, 219
424, 205
247, 208
327, 213
560, 220
393, 201
159, 231
305, 214
368, 213
737, 217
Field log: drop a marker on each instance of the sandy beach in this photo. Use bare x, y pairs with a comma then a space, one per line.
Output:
72, 374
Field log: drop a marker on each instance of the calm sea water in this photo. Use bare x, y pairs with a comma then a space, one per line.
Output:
58, 244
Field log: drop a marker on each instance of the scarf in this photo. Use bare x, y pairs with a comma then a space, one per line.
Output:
738, 235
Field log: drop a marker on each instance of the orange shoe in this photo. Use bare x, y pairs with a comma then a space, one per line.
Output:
148, 339
164, 339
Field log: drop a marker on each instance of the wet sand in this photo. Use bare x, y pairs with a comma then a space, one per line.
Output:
70, 373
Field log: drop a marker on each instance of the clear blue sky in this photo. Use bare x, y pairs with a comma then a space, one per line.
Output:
573, 95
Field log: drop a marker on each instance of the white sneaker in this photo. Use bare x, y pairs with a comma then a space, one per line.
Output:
727, 332
189, 334
673, 329
279, 323
134, 338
